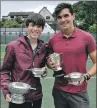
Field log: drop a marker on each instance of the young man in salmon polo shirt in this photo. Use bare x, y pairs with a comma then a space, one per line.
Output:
75, 45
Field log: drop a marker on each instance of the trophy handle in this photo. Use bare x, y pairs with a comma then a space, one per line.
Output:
61, 58
33, 88
66, 76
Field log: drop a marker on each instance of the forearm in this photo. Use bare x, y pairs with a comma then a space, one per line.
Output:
92, 71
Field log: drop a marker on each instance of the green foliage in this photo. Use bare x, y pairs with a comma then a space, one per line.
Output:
1, 24
11, 24
81, 14
93, 28
19, 19
3, 20
86, 13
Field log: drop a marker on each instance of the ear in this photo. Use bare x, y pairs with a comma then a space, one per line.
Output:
73, 16
42, 29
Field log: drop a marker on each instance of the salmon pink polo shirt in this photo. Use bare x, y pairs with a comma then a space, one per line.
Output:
74, 51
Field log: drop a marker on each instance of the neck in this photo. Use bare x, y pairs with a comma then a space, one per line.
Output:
68, 32
33, 42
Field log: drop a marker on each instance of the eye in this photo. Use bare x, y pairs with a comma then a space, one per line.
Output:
59, 17
66, 15
32, 25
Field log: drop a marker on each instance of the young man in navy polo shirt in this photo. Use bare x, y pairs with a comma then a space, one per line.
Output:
75, 45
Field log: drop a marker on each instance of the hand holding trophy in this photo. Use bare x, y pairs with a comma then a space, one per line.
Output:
56, 63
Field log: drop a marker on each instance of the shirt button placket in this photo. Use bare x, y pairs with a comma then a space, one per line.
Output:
67, 41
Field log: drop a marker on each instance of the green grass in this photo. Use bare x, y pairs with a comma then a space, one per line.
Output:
3, 46
2, 54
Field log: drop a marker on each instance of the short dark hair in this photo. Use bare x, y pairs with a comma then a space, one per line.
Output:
61, 6
36, 19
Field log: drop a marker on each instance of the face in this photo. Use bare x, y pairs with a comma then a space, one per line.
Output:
65, 19
34, 31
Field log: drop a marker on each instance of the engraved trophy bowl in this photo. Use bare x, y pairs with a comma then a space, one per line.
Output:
18, 89
75, 77
37, 72
57, 58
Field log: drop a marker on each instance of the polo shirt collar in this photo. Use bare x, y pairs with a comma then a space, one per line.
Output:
73, 34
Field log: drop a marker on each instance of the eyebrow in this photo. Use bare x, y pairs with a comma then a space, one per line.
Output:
65, 15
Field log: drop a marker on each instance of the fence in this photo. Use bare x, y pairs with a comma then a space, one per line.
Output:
10, 34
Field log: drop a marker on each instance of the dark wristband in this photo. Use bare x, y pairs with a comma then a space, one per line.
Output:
87, 76
58, 73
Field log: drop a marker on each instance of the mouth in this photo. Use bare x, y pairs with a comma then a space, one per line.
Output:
63, 24
34, 33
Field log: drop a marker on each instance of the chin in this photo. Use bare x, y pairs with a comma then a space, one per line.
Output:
35, 37
64, 28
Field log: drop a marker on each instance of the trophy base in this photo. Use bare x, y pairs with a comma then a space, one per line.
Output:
17, 99
76, 83
58, 69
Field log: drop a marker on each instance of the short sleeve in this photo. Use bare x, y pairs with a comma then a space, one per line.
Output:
91, 44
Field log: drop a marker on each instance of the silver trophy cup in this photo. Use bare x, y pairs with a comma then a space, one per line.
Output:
75, 77
18, 89
57, 58
38, 72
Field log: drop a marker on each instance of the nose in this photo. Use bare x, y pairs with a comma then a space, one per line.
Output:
35, 27
63, 19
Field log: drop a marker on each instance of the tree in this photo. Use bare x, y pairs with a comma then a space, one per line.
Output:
86, 12
3, 19
11, 24
92, 28
19, 19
